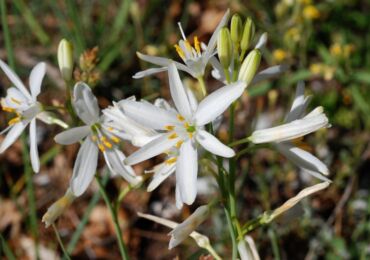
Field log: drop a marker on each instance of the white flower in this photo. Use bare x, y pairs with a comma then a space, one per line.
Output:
195, 58
26, 107
184, 229
297, 126
98, 134
182, 130
247, 249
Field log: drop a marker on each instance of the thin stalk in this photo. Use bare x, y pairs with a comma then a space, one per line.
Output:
274, 243
232, 234
6, 34
61, 242
121, 244
202, 86
7, 251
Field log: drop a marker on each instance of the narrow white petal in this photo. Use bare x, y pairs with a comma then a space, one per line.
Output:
85, 103
179, 202
213, 145
161, 172
269, 73
292, 130
6, 129
14, 79
178, 93
212, 42
187, 171
34, 153
36, 77
12, 135
14, 94
217, 102
192, 99
148, 72
261, 41
302, 158
114, 159
85, 167
217, 72
155, 147
72, 135
299, 105
147, 114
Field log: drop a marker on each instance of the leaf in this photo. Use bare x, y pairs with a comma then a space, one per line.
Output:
362, 76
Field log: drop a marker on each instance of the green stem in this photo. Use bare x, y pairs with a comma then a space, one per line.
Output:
202, 86
6, 33
121, 244
232, 234
274, 243
61, 242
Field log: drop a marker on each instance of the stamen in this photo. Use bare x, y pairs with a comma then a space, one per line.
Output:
190, 135
172, 136
188, 46
8, 109
115, 139
94, 138
171, 160
15, 101
180, 117
108, 144
179, 143
182, 31
110, 129
169, 127
101, 147
197, 44
179, 51
14, 120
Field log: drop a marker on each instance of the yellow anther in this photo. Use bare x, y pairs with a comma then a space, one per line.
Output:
115, 139
188, 45
180, 117
94, 138
103, 138
110, 129
186, 125
197, 44
14, 120
172, 136
179, 51
169, 127
301, 144
171, 160
190, 135
179, 143
8, 109
108, 144
101, 147
15, 101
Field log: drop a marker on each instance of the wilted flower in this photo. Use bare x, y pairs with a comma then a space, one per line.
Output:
26, 107
182, 130
98, 134
195, 57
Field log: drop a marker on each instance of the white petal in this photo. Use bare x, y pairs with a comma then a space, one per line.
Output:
292, 130
299, 105
178, 92
187, 171
218, 71
212, 42
148, 72
12, 135
261, 41
161, 172
35, 161
192, 99
155, 147
14, 79
148, 114
269, 73
85, 167
36, 77
72, 135
114, 159
302, 158
85, 103
217, 102
213, 145
15, 99
179, 202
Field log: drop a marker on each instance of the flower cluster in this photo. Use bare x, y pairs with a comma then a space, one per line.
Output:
183, 129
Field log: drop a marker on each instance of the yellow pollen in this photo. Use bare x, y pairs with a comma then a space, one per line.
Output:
172, 136
188, 46
197, 44
15, 101
94, 138
115, 139
14, 120
101, 147
171, 160
108, 144
186, 125
190, 135
179, 143
8, 109
180, 117
110, 129
103, 139
169, 127
301, 144
179, 51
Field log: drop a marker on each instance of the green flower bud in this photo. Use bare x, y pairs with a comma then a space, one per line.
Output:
236, 29
250, 66
248, 34
65, 59
224, 47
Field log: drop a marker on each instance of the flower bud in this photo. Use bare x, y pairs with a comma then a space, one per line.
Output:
250, 66
224, 47
236, 29
248, 34
65, 59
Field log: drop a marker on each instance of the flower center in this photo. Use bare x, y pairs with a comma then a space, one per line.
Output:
104, 140
186, 51
21, 114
